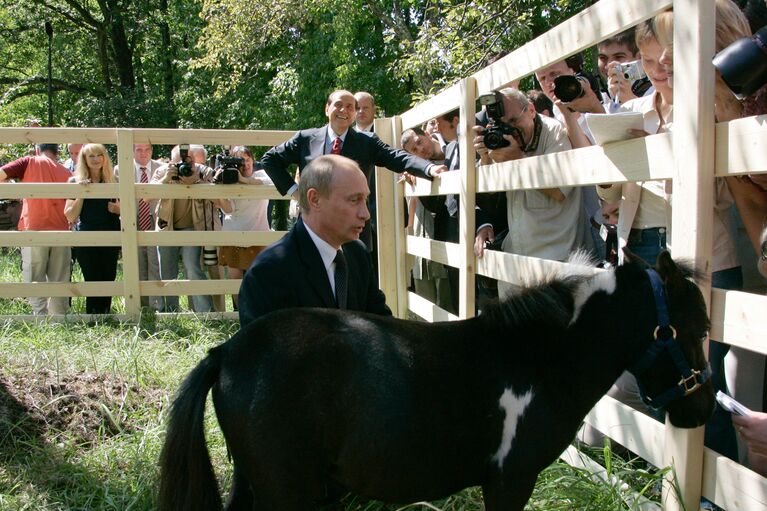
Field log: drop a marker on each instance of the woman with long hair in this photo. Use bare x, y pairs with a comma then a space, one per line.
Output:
96, 263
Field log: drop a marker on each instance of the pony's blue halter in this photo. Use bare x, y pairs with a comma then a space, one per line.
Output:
665, 340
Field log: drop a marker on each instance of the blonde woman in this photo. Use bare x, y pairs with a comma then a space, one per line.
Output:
245, 215
96, 263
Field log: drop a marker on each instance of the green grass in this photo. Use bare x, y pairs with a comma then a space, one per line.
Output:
83, 408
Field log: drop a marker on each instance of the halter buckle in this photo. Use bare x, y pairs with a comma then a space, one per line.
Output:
690, 384
657, 329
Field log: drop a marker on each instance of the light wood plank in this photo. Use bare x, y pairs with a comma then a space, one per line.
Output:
634, 430
691, 223
60, 239
208, 191
467, 200
260, 138
427, 310
17, 289
731, 485
58, 135
439, 251
386, 204
521, 270
128, 220
208, 238
739, 319
58, 191
740, 146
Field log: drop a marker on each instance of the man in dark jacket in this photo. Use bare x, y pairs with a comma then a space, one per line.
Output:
320, 262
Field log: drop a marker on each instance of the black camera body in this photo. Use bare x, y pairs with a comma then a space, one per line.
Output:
743, 64
185, 168
229, 167
568, 88
496, 128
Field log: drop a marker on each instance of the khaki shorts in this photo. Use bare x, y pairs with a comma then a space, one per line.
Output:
238, 257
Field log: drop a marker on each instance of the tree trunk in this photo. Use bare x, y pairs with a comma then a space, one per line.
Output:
123, 53
169, 88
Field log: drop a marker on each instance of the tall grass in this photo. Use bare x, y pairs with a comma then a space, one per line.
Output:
95, 397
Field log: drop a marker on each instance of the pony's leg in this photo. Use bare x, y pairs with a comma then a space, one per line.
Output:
508, 493
240, 496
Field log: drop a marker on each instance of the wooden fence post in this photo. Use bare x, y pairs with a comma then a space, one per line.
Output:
693, 192
128, 216
386, 222
467, 200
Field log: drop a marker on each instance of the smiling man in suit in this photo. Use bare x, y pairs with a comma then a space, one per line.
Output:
320, 262
337, 138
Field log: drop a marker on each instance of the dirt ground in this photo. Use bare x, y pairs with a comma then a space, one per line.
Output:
80, 407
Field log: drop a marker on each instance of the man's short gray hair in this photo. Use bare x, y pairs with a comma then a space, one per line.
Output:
319, 175
516, 95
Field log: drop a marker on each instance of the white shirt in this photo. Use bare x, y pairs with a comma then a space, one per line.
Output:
327, 254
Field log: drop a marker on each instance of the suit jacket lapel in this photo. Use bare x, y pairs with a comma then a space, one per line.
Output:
315, 271
317, 142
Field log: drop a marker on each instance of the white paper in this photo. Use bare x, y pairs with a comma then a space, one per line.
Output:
606, 128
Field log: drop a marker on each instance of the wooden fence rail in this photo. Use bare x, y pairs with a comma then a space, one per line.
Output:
697, 151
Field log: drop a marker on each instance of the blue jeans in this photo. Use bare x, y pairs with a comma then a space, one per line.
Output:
720, 433
647, 243
190, 256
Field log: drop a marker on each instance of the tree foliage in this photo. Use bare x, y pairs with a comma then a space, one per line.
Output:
246, 63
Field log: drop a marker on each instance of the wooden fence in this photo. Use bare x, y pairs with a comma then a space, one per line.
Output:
129, 238
698, 151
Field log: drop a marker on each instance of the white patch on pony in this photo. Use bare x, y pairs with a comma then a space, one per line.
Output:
580, 264
515, 407
604, 281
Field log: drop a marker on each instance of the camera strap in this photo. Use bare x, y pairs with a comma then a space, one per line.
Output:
532, 146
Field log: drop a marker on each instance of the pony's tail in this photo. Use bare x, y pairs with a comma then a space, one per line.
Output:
187, 480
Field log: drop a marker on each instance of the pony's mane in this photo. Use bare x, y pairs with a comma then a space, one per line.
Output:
548, 304
689, 271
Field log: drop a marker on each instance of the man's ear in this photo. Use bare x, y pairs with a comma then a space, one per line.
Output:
313, 197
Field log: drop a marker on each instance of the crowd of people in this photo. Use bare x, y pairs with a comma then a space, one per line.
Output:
549, 223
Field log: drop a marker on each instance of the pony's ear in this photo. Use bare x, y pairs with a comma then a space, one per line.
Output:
630, 257
667, 268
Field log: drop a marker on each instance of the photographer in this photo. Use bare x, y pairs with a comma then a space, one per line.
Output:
186, 215
546, 223
245, 215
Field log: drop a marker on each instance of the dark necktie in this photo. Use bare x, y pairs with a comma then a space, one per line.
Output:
341, 279
144, 216
336, 149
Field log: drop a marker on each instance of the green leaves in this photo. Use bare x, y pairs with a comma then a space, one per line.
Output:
247, 63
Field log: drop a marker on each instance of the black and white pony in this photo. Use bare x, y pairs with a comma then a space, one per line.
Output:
314, 402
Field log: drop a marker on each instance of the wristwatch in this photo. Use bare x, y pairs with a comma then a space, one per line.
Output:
764, 251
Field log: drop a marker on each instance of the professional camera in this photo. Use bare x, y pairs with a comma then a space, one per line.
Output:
743, 64
496, 128
634, 73
185, 168
570, 87
229, 167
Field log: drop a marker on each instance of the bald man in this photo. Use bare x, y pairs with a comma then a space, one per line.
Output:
301, 270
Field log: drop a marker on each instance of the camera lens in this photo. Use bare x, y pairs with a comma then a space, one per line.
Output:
494, 139
567, 88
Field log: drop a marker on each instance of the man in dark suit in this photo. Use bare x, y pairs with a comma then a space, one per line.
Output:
336, 138
320, 262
